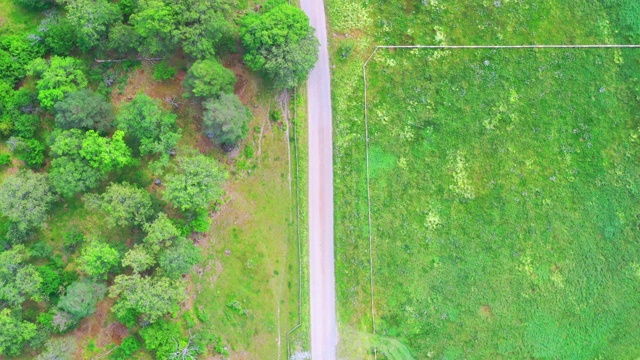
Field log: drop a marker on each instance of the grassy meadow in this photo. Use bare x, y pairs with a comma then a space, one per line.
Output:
504, 184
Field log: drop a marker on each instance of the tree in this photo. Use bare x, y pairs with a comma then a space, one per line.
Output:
14, 333
125, 205
139, 259
161, 337
153, 297
19, 281
196, 184
123, 38
154, 129
98, 259
160, 233
81, 298
154, 21
59, 76
81, 160
34, 4
280, 43
84, 109
58, 349
16, 53
104, 153
91, 19
25, 198
179, 258
59, 35
201, 25
226, 119
208, 78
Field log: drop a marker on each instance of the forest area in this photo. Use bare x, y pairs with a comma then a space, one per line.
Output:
123, 125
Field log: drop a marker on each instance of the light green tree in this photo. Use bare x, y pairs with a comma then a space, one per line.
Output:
139, 259
153, 297
58, 76
179, 258
14, 333
196, 184
208, 78
98, 259
124, 204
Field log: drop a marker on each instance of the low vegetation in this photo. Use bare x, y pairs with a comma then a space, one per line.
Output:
504, 183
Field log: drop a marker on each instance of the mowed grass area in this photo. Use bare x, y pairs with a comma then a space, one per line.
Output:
504, 184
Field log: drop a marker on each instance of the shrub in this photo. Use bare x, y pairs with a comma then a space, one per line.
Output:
50, 279
5, 159
128, 347
163, 71
161, 337
208, 78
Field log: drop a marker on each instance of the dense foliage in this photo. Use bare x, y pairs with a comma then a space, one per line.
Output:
281, 43
83, 127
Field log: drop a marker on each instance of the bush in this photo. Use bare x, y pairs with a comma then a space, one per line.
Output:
5, 159
163, 71
41, 250
128, 347
31, 151
161, 337
128, 318
25, 125
50, 279
73, 239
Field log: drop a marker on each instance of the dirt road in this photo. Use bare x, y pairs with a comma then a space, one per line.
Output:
323, 293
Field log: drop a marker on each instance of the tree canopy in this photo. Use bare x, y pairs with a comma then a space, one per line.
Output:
179, 258
151, 296
83, 159
14, 333
154, 129
208, 78
226, 119
58, 76
84, 109
25, 198
196, 184
81, 298
281, 43
91, 19
98, 258
20, 280
124, 204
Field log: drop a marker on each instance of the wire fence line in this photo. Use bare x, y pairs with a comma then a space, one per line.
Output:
438, 47
297, 156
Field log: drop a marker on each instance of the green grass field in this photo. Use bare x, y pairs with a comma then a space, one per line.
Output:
504, 184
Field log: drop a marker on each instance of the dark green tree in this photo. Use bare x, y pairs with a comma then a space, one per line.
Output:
98, 259
59, 35
226, 119
153, 297
123, 39
25, 198
154, 129
196, 184
81, 298
124, 204
14, 333
92, 20
35, 4
208, 78
84, 109
281, 43
16, 53
179, 258
58, 76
